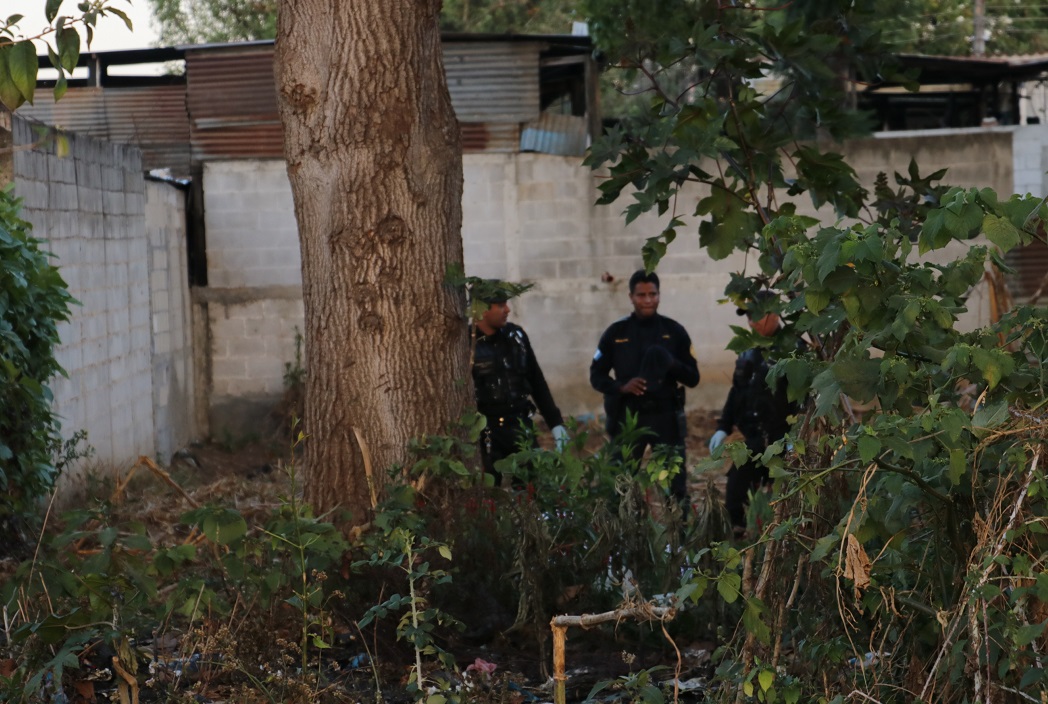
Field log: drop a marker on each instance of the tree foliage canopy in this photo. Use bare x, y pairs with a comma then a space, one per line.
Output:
946, 27
214, 21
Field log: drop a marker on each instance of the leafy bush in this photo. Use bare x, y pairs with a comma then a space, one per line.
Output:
904, 556
33, 300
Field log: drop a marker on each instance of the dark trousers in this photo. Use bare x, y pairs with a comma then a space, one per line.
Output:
501, 438
741, 482
666, 428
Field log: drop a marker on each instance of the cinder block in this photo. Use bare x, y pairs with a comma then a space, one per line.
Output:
112, 179
228, 369
62, 196
34, 194
538, 269
135, 203
578, 269
61, 170
114, 203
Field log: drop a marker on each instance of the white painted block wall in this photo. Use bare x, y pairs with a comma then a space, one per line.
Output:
531, 217
126, 267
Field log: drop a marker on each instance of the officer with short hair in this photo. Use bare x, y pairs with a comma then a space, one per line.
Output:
641, 365
759, 412
509, 385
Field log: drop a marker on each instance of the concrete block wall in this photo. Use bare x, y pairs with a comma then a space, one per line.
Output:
249, 218
1031, 160
171, 336
90, 206
249, 343
252, 306
531, 217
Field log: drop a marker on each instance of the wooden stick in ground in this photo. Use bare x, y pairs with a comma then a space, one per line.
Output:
167, 479
127, 682
560, 625
560, 679
366, 454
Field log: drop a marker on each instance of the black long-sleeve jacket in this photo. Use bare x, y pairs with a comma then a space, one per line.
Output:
758, 411
621, 351
507, 377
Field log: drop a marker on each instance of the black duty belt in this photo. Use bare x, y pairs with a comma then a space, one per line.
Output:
651, 405
507, 418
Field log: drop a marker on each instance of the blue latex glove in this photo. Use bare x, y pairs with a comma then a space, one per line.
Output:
560, 437
717, 440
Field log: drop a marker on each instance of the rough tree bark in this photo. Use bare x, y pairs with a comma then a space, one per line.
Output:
375, 162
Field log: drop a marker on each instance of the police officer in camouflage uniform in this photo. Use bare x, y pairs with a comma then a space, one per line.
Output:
758, 411
509, 385
651, 357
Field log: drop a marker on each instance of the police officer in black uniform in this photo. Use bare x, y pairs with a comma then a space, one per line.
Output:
758, 411
509, 385
640, 364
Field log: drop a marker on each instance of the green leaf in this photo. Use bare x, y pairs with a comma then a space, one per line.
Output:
989, 417
958, 466
816, 300
857, 376
51, 10
1025, 635
68, 41
445, 552
22, 65
869, 447
766, 678
122, 15
1001, 232
728, 587
10, 95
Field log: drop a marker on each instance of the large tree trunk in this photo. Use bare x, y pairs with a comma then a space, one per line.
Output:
375, 162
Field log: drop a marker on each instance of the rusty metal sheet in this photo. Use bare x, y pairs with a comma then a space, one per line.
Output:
151, 117
490, 137
252, 142
231, 94
493, 81
231, 83
1031, 266
80, 110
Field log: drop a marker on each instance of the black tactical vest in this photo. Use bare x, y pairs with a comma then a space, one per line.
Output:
500, 373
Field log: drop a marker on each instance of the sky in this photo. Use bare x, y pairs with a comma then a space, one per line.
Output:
110, 31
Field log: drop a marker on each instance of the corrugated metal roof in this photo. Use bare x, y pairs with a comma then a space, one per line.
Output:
497, 82
552, 133
152, 117
228, 87
232, 99
226, 105
953, 69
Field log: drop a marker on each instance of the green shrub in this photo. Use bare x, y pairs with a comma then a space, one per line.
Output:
33, 300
